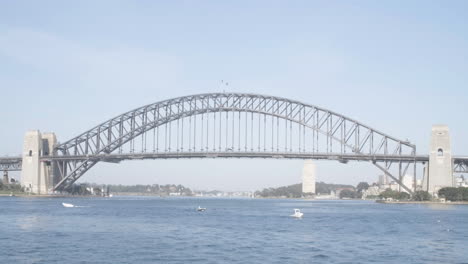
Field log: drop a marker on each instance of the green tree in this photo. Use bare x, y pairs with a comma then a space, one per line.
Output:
422, 196
454, 194
389, 193
295, 190
403, 196
362, 186
450, 194
464, 193
348, 194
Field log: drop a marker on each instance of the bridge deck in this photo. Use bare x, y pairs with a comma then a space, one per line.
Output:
10, 163
235, 154
14, 163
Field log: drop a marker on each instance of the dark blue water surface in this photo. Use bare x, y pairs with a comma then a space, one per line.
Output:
170, 230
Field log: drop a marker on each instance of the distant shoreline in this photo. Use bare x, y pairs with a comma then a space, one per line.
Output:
142, 194
422, 202
25, 195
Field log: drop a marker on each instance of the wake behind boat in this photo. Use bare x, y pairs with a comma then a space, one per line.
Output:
67, 205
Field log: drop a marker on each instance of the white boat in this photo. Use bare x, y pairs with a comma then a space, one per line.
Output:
297, 213
201, 209
67, 205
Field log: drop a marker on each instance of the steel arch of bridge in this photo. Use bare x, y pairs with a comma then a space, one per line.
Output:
254, 126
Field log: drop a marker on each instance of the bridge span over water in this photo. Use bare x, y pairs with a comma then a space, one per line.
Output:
224, 125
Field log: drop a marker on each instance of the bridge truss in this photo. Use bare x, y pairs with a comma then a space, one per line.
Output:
10, 164
460, 165
232, 125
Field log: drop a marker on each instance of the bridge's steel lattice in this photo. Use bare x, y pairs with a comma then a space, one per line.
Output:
231, 125
460, 166
10, 164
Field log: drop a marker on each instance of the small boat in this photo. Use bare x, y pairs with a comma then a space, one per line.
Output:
67, 205
11, 195
297, 213
201, 209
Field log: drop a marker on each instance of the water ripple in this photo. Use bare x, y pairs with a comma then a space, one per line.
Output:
169, 230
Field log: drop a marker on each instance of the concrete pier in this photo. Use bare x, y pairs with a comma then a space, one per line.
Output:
37, 176
440, 172
308, 177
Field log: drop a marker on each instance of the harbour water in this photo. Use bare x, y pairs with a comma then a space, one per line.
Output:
170, 230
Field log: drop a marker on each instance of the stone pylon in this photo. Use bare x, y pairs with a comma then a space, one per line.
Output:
440, 172
37, 174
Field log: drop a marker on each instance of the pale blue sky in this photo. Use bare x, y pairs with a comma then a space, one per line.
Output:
397, 66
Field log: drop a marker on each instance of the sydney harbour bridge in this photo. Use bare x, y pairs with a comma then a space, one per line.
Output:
227, 125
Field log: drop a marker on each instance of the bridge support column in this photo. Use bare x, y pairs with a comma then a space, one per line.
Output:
439, 173
48, 168
308, 178
36, 174
424, 179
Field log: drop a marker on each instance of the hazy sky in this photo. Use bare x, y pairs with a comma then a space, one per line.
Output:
397, 66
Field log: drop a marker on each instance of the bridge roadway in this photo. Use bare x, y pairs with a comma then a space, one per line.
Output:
14, 163
10, 163
460, 163
235, 154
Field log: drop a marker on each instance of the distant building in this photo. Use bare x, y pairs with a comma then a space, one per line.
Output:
461, 182
384, 184
383, 180
90, 190
371, 191
394, 186
391, 185
418, 184
408, 181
